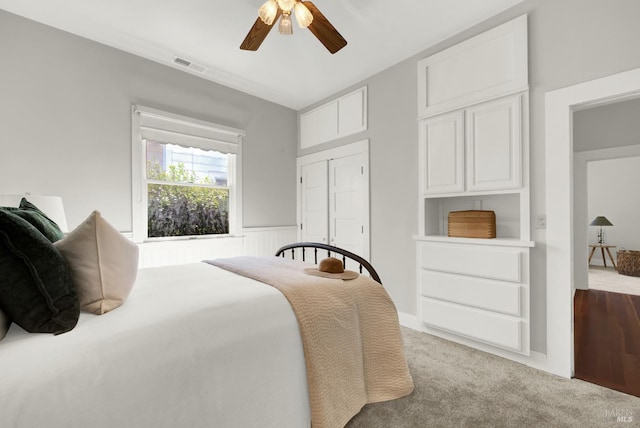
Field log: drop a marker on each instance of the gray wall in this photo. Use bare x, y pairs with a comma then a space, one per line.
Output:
613, 125
570, 41
613, 192
65, 125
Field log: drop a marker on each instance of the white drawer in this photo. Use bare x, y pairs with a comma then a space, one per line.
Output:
488, 294
476, 324
501, 263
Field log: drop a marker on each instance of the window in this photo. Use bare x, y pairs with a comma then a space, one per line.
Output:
185, 176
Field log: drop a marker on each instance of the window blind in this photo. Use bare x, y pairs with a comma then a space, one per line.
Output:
175, 129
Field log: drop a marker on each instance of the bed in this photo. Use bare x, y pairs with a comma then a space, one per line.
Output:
194, 345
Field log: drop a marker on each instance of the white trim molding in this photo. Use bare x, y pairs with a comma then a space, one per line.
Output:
559, 108
409, 321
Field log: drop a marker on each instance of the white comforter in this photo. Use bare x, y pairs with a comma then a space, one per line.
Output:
193, 346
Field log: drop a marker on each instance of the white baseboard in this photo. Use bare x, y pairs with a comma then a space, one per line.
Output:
536, 360
409, 321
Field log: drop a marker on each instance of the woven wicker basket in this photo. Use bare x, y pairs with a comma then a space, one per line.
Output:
629, 262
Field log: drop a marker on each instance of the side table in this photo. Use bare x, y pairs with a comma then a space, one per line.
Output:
602, 247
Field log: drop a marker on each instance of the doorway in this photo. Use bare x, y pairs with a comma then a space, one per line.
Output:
560, 257
606, 212
333, 197
613, 192
606, 162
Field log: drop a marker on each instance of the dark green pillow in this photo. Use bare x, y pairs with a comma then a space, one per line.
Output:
5, 323
36, 289
38, 219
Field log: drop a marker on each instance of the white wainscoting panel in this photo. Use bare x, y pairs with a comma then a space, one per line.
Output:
263, 241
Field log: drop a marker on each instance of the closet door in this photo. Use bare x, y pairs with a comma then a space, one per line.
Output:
314, 206
347, 203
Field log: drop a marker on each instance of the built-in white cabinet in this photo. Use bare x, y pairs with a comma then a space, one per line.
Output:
473, 154
484, 67
474, 149
319, 125
442, 153
352, 112
344, 116
493, 135
479, 291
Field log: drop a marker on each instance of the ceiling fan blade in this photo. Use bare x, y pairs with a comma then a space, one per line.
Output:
258, 33
324, 31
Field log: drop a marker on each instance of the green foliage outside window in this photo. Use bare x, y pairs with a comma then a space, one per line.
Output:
178, 210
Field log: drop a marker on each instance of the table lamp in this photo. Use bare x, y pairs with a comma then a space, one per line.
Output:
601, 221
50, 205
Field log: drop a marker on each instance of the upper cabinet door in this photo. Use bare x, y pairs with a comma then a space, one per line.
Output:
487, 66
319, 125
309, 129
352, 112
494, 136
327, 122
442, 153
335, 119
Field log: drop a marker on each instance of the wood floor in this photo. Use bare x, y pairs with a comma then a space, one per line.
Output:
607, 339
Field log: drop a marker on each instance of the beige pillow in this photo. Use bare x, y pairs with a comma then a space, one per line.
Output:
4, 324
103, 263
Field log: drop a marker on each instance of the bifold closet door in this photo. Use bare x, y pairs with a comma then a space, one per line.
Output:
314, 206
347, 203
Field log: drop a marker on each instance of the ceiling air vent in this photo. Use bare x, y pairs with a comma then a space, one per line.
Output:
190, 65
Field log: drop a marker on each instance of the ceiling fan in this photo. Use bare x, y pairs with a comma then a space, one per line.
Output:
307, 15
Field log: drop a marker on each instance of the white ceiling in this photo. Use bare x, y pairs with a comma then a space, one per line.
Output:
294, 71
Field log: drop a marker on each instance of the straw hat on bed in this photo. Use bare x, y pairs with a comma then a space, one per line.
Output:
331, 268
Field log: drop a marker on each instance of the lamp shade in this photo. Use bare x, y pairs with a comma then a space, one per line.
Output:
285, 27
268, 11
303, 15
600, 221
50, 205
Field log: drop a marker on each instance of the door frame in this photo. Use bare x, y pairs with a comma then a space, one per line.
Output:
559, 107
359, 147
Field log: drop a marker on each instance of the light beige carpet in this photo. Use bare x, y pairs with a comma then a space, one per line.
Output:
608, 279
457, 386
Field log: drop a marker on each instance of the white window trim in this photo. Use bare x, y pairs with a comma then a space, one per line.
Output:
210, 136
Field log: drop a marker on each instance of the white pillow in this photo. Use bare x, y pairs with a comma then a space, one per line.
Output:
103, 264
4, 324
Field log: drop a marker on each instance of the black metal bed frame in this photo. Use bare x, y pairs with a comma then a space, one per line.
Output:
330, 249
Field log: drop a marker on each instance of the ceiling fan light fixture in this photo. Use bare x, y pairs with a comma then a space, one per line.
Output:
286, 5
285, 26
268, 11
303, 15
317, 24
